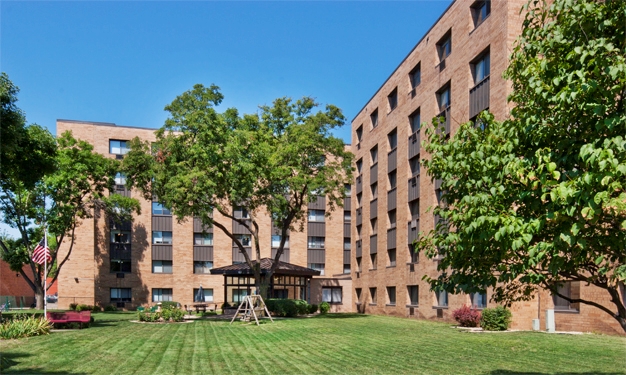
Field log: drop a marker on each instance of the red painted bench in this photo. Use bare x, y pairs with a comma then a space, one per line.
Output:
69, 317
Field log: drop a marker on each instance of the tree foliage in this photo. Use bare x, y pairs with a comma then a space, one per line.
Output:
271, 163
57, 183
540, 199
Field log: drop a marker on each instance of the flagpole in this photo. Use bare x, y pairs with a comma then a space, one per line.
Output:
45, 272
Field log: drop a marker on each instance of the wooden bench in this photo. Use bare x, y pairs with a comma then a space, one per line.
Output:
69, 317
204, 307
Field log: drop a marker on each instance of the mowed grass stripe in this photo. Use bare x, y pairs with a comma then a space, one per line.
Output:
286, 363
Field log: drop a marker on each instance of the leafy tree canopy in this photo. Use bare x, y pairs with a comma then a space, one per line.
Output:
540, 199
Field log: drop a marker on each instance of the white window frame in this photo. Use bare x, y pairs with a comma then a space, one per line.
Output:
160, 237
333, 295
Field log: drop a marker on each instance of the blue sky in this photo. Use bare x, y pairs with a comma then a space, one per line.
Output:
122, 62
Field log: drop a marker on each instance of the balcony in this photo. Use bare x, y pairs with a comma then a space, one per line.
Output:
374, 209
120, 250
359, 184
414, 144
414, 188
374, 173
391, 199
359, 248
446, 121
392, 160
391, 238
347, 230
374, 244
359, 216
413, 230
479, 97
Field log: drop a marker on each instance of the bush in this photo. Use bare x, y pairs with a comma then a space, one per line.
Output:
168, 314
23, 325
324, 307
467, 317
73, 306
82, 307
302, 306
496, 319
110, 308
169, 304
225, 305
96, 308
282, 307
312, 309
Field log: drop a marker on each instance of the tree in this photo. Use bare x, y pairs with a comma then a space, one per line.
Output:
56, 183
539, 199
272, 164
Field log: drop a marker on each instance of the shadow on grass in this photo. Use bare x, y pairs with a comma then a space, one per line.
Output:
9, 360
509, 372
340, 316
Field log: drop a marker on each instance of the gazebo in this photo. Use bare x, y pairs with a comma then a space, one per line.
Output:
288, 281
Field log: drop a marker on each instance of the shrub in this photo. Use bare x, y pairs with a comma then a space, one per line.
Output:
496, 319
23, 325
312, 309
282, 307
168, 314
96, 308
169, 304
467, 317
302, 306
82, 307
324, 307
73, 306
110, 308
225, 305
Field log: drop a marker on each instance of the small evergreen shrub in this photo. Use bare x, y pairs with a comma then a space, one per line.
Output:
73, 306
96, 308
82, 307
110, 308
324, 307
496, 319
168, 314
23, 325
312, 309
302, 307
282, 307
169, 304
467, 317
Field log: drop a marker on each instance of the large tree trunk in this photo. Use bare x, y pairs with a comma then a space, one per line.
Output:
39, 297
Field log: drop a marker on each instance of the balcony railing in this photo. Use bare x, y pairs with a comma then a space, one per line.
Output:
479, 97
359, 216
374, 209
359, 248
392, 160
414, 188
391, 238
359, 184
374, 173
392, 199
446, 121
374, 244
414, 144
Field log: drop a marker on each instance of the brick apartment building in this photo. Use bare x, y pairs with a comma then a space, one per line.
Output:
158, 259
455, 72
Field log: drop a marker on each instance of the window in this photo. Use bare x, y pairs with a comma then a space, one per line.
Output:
348, 190
331, 294
374, 118
391, 295
373, 295
161, 266
160, 295
120, 179
241, 213
346, 268
359, 133
413, 295
480, 11
358, 264
374, 188
479, 300
239, 294
374, 154
358, 198
414, 209
160, 237
347, 216
120, 265
276, 241
121, 294
359, 165
393, 139
415, 76
444, 47
315, 242
393, 179
374, 225
565, 289
245, 239
414, 164
415, 121
203, 239
373, 260
392, 99
392, 218
414, 255
316, 215
442, 298
443, 98
118, 147
200, 266
120, 236
346, 243
481, 67
208, 295
391, 253
158, 209
358, 294
317, 267
358, 230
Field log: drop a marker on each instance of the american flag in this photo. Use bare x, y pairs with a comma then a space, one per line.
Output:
41, 252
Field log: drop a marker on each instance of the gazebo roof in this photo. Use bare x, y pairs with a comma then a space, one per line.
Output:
266, 264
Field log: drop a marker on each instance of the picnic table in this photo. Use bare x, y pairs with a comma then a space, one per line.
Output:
204, 307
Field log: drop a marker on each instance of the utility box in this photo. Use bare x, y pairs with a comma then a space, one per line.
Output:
550, 325
536, 325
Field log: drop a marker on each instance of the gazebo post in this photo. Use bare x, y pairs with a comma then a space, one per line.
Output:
225, 289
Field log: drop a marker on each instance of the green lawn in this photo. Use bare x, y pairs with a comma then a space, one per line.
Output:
334, 344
